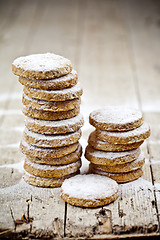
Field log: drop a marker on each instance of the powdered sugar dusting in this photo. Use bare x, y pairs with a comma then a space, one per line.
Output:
112, 155
116, 115
41, 62
89, 186
51, 167
67, 122
135, 132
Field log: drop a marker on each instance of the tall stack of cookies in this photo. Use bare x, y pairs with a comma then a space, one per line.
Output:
51, 104
114, 147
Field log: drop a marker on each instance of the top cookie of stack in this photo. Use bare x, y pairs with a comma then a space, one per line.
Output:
51, 103
113, 148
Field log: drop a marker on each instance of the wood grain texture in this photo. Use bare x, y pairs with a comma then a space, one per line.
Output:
114, 46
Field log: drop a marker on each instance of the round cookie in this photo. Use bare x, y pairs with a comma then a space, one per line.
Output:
122, 168
66, 81
47, 115
69, 158
110, 147
41, 105
41, 66
119, 177
50, 141
116, 118
33, 151
55, 127
50, 171
54, 95
89, 190
46, 182
110, 158
136, 135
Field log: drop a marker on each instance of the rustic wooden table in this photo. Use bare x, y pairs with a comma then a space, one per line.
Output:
115, 47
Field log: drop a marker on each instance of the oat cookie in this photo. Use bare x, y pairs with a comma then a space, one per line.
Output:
48, 115
116, 118
41, 66
69, 158
110, 158
50, 141
89, 190
110, 147
54, 95
46, 182
55, 127
33, 151
42, 105
119, 177
50, 171
122, 168
66, 81
136, 135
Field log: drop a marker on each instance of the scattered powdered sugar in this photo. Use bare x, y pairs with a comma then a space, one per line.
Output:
60, 138
67, 122
41, 62
135, 132
51, 167
18, 166
90, 186
116, 115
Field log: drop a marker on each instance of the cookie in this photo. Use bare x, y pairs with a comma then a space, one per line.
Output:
48, 115
89, 190
122, 168
119, 177
33, 151
46, 182
54, 95
110, 147
136, 135
116, 118
110, 158
55, 127
72, 157
50, 171
66, 81
41, 66
41, 105
50, 141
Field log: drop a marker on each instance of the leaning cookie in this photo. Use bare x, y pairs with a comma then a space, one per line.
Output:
122, 168
110, 147
116, 118
119, 177
46, 182
41, 66
50, 141
50, 106
67, 159
110, 158
48, 115
55, 127
54, 95
49, 171
136, 135
66, 81
89, 190
39, 152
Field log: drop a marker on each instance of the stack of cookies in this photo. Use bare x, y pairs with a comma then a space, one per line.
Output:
114, 147
51, 104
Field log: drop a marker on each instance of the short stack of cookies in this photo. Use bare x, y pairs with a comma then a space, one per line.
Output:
114, 147
51, 104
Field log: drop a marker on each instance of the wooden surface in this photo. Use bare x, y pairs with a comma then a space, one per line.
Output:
115, 47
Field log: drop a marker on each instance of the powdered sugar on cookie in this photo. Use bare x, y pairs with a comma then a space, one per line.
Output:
89, 186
